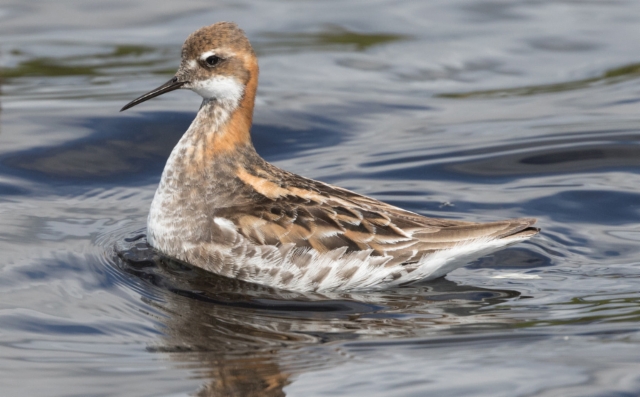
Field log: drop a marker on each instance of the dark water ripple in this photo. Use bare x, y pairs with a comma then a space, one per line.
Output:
599, 151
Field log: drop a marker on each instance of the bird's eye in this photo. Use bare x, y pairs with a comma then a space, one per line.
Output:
213, 60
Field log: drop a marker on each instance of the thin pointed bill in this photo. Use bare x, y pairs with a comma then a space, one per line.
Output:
170, 85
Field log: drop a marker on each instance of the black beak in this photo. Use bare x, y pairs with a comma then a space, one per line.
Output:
170, 85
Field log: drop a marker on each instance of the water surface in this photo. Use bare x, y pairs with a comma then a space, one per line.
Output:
466, 109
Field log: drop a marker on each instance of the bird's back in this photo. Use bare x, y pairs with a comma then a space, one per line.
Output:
312, 235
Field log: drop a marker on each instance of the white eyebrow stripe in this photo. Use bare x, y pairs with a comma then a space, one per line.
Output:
207, 54
226, 54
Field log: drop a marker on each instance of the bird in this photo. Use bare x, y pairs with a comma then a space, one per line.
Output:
221, 207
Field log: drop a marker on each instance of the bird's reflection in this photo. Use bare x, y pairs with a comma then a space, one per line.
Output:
249, 340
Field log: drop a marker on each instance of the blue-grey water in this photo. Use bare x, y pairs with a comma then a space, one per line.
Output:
468, 109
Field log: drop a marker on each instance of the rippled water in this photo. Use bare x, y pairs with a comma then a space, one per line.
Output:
468, 109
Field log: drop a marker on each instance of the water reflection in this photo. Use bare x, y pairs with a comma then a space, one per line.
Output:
610, 76
331, 38
251, 340
120, 57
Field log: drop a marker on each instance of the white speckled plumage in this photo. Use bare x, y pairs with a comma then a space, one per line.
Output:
221, 207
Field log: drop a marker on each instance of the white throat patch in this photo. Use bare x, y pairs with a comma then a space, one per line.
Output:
225, 89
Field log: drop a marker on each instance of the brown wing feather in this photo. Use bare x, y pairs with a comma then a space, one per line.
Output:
291, 209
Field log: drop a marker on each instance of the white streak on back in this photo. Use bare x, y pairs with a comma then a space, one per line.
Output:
225, 223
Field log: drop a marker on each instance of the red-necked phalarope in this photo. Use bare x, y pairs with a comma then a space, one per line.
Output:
221, 207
